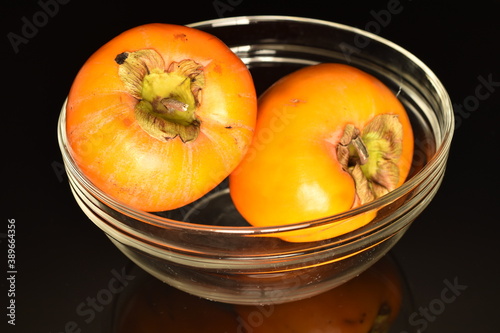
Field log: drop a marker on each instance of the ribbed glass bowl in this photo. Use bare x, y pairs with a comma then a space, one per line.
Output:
208, 250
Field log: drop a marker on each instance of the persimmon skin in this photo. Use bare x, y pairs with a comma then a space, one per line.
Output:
131, 166
291, 173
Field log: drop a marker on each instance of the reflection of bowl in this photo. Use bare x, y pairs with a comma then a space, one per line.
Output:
207, 249
148, 305
371, 302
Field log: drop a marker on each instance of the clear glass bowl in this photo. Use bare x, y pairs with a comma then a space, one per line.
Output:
208, 250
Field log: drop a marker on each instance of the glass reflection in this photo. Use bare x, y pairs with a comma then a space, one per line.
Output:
369, 303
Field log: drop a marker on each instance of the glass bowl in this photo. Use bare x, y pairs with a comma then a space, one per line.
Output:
208, 250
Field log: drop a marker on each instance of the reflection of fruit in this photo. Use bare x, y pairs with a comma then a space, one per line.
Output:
328, 138
160, 115
368, 303
155, 307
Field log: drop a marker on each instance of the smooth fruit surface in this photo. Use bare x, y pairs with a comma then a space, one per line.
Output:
160, 115
328, 138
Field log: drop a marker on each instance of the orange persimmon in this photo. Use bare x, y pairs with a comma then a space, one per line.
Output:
160, 115
329, 138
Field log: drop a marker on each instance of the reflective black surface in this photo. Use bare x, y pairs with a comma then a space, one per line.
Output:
67, 276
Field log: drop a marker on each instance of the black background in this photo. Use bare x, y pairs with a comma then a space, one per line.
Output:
62, 258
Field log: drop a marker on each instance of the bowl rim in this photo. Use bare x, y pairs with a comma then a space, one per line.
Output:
441, 149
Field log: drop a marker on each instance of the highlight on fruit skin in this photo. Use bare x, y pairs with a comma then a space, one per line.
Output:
329, 138
160, 115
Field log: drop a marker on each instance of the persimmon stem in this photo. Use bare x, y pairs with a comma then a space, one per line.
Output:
168, 97
371, 157
360, 148
174, 105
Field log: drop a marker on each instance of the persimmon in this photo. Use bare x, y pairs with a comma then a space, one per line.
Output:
328, 138
370, 302
160, 115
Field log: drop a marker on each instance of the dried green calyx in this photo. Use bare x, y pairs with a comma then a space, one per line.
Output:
168, 97
371, 157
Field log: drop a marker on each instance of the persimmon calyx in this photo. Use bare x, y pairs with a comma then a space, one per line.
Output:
371, 157
168, 97
382, 322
